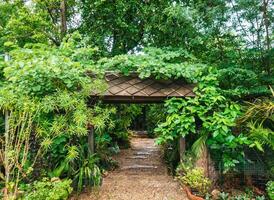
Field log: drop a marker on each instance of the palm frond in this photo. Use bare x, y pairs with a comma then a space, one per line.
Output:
199, 145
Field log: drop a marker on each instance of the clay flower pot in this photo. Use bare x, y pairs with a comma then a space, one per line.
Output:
190, 195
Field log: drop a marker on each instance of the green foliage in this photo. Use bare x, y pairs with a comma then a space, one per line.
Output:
223, 196
49, 189
165, 63
241, 197
16, 144
119, 122
87, 173
155, 115
261, 136
34, 22
158, 39
48, 92
211, 117
259, 122
117, 34
185, 165
270, 189
245, 196
260, 198
81, 167
43, 73
196, 180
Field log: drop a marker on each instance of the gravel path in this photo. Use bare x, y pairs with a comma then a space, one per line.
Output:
142, 176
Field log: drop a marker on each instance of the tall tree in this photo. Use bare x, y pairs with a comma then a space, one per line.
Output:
63, 18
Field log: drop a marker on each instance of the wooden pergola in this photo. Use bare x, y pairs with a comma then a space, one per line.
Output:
132, 89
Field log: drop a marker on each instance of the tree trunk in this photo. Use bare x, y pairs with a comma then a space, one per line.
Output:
266, 24
63, 18
182, 147
204, 161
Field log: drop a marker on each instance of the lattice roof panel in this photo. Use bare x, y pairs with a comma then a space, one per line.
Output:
131, 88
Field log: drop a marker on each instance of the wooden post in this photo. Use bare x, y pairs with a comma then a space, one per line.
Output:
91, 140
144, 111
182, 147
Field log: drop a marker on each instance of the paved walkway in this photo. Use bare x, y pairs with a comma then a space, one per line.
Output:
142, 176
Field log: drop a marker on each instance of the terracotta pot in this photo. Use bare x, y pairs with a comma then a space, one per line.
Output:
190, 195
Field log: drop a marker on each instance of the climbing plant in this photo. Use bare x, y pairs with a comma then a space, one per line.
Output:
210, 116
165, 63
44, 94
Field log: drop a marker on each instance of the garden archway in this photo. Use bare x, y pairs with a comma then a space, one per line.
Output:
132, 89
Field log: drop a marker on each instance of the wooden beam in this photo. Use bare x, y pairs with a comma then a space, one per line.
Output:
182, 147
91, 139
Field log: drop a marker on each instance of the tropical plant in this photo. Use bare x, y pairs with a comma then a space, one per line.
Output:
80, 167
259, 122
88, 174
49, 189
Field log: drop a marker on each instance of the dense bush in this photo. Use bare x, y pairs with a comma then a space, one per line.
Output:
53, 189
44, 95
211, 117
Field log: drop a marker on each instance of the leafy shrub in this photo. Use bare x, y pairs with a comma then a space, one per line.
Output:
171, 155
185, 165
196, 180
43, 72
81, 167
260, 198
241, 197
247, 197
87, 173
223, 196
49, 189
210, 116
270, 189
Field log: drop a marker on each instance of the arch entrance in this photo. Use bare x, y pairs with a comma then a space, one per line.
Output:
130, 89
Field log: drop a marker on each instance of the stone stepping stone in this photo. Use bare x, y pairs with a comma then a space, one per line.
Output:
140, 167
137, 157
145, 149
142, 153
